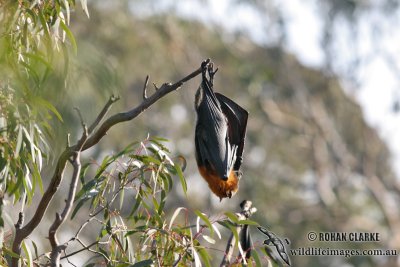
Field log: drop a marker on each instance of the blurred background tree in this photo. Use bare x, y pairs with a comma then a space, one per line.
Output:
311, 162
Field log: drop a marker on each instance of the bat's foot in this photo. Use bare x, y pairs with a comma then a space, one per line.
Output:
208, 66
204, 67
205, 63
211, 72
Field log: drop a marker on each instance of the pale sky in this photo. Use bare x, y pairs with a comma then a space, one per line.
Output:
379, 84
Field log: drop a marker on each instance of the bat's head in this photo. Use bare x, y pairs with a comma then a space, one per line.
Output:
222, 188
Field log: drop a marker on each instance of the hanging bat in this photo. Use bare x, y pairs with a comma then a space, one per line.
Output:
219, 137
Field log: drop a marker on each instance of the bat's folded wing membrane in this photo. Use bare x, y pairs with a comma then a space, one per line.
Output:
237, 124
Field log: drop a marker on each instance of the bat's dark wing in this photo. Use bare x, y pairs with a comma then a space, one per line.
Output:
203, 155
237, 124
212, 146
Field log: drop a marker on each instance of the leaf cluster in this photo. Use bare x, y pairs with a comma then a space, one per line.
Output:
141, 174
34, 40
126, 195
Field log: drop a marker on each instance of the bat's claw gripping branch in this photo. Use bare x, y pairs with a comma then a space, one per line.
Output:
208, 66
211, 72
204, 67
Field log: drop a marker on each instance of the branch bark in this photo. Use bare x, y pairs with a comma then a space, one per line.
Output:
57, 249
60, 218
23, 232
165, 89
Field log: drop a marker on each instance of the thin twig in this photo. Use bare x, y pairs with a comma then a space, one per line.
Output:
68, 259
81, 228
60, 218
20, 220
133, 113
80, 116
228, 251
145, 87
88, 248
103, 113
80, 250
25, 231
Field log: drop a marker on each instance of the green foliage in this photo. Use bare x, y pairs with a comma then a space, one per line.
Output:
33, 42
34, 49
133, 210
127, 196
142, 174
22, 148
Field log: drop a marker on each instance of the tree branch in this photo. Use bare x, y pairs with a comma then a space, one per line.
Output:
81, 250
24, 232
103, 113
247, 211
165, 89
60, 219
